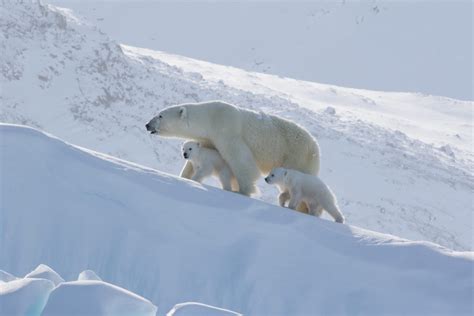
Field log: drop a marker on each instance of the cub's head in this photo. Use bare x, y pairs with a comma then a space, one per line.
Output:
171, 121
277, 175
190, 149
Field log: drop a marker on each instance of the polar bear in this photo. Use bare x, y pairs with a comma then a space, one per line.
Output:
310, 189
251, 143
207, 162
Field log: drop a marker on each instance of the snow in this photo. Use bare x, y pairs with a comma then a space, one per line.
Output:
90, 297
198, 309
6, 277
413, 152
45, 272
88, 275
172, 240
418, 46
24, 296
44, 292
399, 163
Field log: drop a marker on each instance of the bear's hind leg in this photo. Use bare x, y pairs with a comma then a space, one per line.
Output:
315, 209
334, 211
303, 208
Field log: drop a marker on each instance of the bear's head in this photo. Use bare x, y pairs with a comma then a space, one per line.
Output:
170, 122
190, 149
277, 175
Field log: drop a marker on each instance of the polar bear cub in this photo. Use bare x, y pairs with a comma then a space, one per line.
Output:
299, 187
207, 162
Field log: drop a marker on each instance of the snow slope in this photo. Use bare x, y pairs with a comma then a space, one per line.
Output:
400, 163
419, 46
172, 240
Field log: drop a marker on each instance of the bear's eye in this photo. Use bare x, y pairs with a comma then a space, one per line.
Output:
160, 116
190, 149
273, 175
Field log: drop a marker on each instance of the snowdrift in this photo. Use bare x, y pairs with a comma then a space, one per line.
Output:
36, 294
198, 309
172, 240
95, 298
26, 296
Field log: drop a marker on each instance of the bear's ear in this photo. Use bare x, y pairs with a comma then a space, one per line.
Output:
286, 173
198, 144
182, 112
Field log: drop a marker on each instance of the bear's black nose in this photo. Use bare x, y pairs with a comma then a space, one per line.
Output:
185, 156
266, 180
147, 126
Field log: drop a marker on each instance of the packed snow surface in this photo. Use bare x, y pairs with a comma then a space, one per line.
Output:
399, 163
172, 240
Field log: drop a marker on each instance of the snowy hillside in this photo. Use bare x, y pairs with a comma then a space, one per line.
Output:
419, 46
172, 240
399, 163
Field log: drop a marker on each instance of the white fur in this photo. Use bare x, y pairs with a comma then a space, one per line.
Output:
207, 162
300, 187
251, 143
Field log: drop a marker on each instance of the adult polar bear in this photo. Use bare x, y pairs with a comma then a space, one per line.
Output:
251, 143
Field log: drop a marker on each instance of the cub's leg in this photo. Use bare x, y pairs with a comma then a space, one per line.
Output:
201, 173
187, 171
295, 199
315, 209
334, 211
303, 208
283, 198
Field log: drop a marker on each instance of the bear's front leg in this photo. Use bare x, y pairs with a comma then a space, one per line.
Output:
199, 175
225, 177
294, 201
240, 159
187, 171
283, 198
